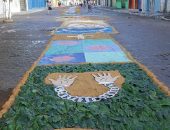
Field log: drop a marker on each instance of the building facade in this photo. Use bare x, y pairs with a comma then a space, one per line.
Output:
165, 5
151, 6
20, 5
1, 9
6, 7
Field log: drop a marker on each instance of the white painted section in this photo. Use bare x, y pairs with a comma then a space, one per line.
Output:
143, 6
4, 7
168, 7
15, 6
26, 2
1, 8
163, 4
102, 3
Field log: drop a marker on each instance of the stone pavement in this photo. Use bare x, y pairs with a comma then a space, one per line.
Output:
21, 44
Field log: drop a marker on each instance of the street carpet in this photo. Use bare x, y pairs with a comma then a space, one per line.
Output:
82, 51
87, 81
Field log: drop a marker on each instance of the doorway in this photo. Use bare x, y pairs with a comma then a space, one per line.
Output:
23, 5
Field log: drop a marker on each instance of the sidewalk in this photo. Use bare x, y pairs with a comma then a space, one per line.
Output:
21, 43
138, 13
24, 13
29, 11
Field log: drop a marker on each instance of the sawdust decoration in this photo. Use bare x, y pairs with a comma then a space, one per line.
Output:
100, 25
71, 18
86, 87
86, 36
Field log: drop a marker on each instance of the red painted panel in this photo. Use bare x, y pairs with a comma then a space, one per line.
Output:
133, 4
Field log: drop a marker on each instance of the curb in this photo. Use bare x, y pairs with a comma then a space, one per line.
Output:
160, 16
166, 19
29, 12
21, 13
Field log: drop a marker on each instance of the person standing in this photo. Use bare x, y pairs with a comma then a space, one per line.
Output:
89, 6
59, 3
49, 6
84, 3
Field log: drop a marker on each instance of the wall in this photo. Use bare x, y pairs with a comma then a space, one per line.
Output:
168, 8
102, 2
156, 6
23, 4
15, 7
1, 9
114, 3
143, 6
162, 2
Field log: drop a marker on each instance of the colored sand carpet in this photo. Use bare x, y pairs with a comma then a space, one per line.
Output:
83, 30
83, 51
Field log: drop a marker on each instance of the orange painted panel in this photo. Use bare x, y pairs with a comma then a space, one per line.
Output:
133, 4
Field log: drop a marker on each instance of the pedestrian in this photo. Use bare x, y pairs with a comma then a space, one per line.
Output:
59, 3
49, 6
89, 7
84, 3
81, 4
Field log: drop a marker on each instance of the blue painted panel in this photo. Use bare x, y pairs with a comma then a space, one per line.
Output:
157, 6
102, 45
36, 4
147, 5
105, 57
81, 51
64, 47
139, 4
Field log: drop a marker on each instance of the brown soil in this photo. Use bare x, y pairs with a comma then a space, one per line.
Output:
4, 96
85, 85
87, 36
71, 18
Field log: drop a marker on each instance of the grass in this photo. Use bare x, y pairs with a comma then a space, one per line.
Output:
140, 105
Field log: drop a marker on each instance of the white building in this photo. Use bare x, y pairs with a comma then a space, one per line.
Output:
1, 9
14, 6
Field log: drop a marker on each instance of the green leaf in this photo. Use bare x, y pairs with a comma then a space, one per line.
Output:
165, 102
